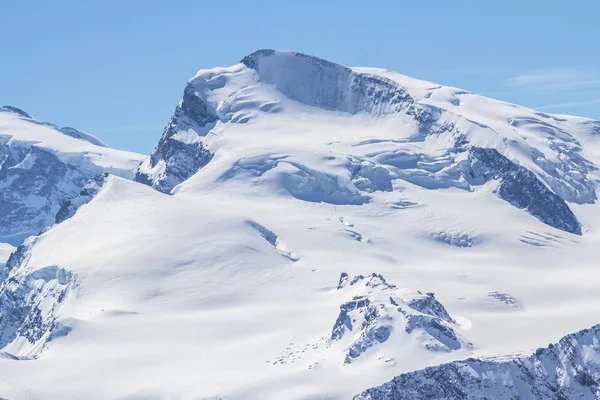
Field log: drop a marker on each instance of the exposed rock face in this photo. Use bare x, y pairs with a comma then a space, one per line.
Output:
17, 111
521, 188
35, 178
180, 152
468, 166
32, 184
565, 170
567, 370
68, 206
382, 310
30, 303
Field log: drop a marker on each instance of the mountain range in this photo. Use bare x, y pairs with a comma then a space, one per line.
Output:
304, 230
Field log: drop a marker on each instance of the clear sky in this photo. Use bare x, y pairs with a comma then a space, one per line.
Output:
117, 69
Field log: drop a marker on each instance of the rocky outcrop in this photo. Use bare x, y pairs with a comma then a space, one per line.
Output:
569, 369
33, 182
180, 152
30, 302
381, 310
68, 206
16, 110
521, 188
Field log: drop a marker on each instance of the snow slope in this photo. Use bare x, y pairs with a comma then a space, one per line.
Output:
316, 231
41, 164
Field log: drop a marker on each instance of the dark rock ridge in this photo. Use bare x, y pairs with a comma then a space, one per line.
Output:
174, 160
30, 302
569, 369
68, 206
521, 188
16, 110
381, 310
467, 166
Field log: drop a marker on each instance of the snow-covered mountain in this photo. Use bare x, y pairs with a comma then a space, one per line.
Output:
436, 137
41, 165
305, 230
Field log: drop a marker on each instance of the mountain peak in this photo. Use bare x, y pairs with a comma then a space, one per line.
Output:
15, 110
253, 60
41, 164
464, 227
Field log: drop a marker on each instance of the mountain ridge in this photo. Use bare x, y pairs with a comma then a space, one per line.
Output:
309, 230
41, 164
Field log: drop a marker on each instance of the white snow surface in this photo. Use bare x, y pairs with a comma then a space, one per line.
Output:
227, 289
5, 251
86, 150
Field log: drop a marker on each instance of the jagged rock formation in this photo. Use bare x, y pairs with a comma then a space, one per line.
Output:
30, 303
382, 310
180, 152
16, 110
68, 206
522, 189
567, 370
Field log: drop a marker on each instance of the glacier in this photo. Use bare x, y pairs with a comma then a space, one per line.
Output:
304, 230
218, 97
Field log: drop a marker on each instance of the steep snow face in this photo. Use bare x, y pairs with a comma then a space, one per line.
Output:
319, 83
41, 164
569, 369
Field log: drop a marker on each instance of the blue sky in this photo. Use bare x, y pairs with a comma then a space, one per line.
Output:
117, 68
